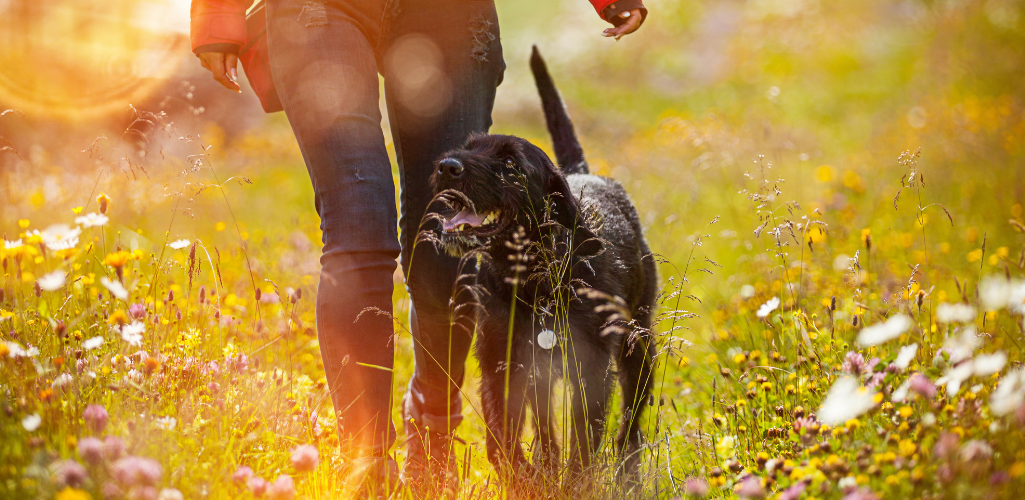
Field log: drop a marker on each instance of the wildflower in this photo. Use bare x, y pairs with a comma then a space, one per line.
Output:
696, 487
52, 281
747, 291
137, 471
137, 311
69, 493
855, 364
95, 417
283, 488
846, 400
60, 237
15, 350
955, 376
946, 445
725, 446
242, 474
883, 332
103, 200
961, 347
92, 343
257, 485
976, 449
793, 492
750, 488
996, 293
91, 220
31, 422
117, 260
922, 386
91, 450
179, 244
165, 423
861, 494
955, 313
113, 448
1009, 394
905, 356
847, 484
985, 365
116, 288
133, 333
170, 494
768, 307
305, 458
546, 339
68, 473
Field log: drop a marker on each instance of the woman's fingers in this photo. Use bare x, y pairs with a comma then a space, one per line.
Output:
633, 21
223, 68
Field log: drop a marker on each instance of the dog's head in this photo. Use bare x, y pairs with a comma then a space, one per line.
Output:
495, 184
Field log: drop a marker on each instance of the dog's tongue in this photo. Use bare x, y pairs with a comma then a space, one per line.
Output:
465, 216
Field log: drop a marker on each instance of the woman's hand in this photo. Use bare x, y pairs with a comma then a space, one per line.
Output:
223, 66
633, 21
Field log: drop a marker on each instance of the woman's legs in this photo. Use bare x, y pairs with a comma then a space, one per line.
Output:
442, 63
324, 67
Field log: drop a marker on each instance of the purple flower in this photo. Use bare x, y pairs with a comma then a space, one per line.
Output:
242, 474
793, 492
750, 488
257, 485
69, 473
283, 488
946, 445
696, 487
137, 311
133, 471
96, 418
976, 449
145, 493
238, 363
999, 477
91, 450
861, 494
305, 458
923, 386
110, 490
113, 448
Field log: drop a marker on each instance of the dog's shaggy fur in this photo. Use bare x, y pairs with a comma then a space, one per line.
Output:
559, 251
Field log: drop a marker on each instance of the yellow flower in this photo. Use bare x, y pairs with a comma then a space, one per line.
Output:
103, 200
725, 447
739, 358
117, 259
118, 317
77, 210
69, 493
907, 447
23, 223
852, 424
905, 411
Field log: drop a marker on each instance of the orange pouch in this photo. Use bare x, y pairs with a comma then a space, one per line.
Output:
256, 59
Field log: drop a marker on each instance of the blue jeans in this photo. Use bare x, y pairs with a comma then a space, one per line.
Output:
441, 61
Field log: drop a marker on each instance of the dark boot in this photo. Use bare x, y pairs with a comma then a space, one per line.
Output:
430, 469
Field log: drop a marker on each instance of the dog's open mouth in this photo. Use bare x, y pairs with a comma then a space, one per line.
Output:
462, 219
466, 221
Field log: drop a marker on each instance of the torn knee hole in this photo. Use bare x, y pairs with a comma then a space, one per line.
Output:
314, 13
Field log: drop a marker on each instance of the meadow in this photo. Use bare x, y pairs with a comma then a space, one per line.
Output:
834, 192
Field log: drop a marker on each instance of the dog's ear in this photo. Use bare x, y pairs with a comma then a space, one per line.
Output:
565, 209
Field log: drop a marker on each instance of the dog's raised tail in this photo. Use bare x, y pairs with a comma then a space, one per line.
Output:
568, 152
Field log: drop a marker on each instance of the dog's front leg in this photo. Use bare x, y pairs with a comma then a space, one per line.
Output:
504, 416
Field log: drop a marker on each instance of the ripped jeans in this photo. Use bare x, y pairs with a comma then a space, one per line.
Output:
441, 61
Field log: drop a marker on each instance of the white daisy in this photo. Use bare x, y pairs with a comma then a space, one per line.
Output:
92, 220
31, 422
116, 288
93, 343
60, 237
52, 281
179, 244
166, 423
955, 377
1009, 394
133, 333
955, 313
10, 245
846, 400
985, 365
886, 331
961, 347
905, 355
768, 307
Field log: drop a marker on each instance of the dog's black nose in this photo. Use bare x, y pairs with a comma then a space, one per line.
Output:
451, 167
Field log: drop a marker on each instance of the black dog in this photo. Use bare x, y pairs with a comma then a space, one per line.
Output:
567, 285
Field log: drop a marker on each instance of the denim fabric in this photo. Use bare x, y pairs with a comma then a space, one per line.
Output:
441, 62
